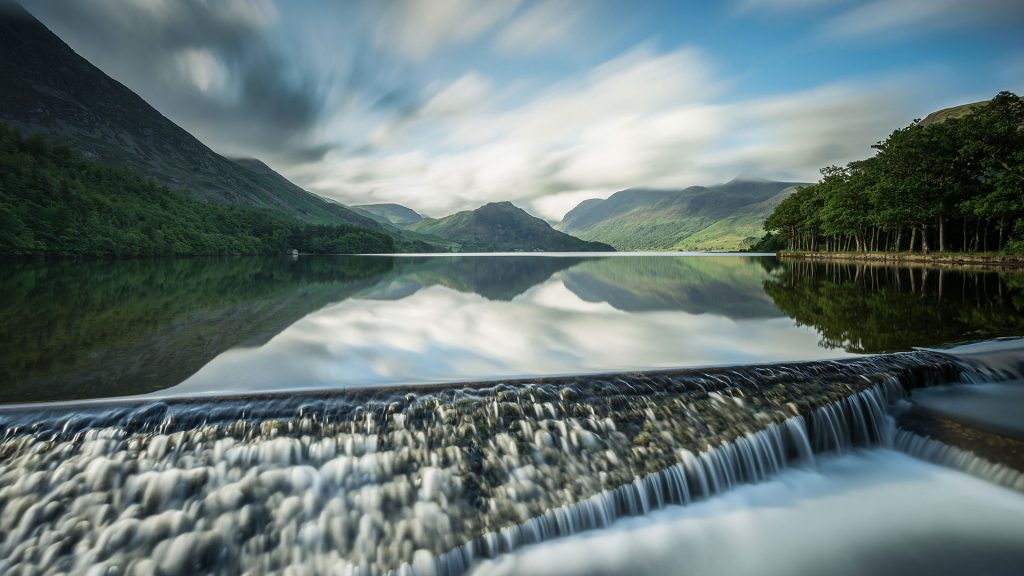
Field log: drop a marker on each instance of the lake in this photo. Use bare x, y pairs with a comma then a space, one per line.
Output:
206, 326
513, 414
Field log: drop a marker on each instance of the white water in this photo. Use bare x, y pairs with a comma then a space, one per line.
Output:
370, 493
869, 512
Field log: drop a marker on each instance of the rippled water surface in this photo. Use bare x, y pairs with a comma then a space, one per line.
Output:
102, 329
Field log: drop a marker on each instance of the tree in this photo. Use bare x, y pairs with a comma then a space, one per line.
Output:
966, 172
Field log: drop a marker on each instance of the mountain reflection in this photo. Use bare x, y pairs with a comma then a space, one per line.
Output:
100, 329
494, 278
72, 330
723, 285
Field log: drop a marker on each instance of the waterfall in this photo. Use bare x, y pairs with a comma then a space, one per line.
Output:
952, 457
415, 480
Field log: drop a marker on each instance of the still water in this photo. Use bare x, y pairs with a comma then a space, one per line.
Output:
889, 461
207, 326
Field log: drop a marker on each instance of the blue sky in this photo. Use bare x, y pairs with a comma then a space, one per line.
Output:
444, 105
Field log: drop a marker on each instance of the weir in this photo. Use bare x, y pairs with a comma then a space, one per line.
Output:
424, 480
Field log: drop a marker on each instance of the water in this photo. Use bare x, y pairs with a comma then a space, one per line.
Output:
880, 513
428, 482
208, 326
273, 446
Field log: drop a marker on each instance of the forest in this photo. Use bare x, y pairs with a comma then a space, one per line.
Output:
56, 203
956, 184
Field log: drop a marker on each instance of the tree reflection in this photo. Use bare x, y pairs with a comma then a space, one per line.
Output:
79, 330
866, 308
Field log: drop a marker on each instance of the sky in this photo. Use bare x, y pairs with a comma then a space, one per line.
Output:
445, 105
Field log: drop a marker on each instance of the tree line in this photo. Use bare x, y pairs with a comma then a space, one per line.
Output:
956, 184
54, 202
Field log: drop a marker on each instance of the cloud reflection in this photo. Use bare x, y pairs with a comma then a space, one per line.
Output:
440, 334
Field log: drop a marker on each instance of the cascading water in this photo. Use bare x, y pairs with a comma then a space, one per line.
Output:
416, 480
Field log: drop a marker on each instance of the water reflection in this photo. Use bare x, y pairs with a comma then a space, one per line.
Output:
83, 330
726, 286
875, 308
195, 326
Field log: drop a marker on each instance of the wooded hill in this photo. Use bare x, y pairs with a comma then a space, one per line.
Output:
53, 202
955, 183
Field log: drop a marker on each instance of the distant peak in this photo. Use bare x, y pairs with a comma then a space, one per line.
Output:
503, 206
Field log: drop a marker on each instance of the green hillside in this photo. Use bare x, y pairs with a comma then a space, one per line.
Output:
50, 90
950, 113
724, 217
389, 213
53, 202
502, 227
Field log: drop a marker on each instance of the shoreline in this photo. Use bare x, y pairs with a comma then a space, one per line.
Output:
945, 258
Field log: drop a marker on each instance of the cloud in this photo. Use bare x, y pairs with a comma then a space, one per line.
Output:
904, 17
204, 69
611, 127
553, 206
464, 94
644, 118
418, 28
791, 136
209, 65
444, 105
781, 5
540, 26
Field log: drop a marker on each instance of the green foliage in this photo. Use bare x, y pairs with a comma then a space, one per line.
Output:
768, 243
389, 213
55, 203
869, 309
957, 182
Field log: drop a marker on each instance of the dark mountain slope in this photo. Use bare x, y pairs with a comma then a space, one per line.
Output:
48, 89
55, 203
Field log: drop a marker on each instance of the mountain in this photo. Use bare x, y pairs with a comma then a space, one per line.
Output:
50, 90
390, 213
723, 217
952, 112
502, 227
54, 202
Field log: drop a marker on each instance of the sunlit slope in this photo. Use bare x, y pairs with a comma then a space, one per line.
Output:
502, 227
389, 213
723, 217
